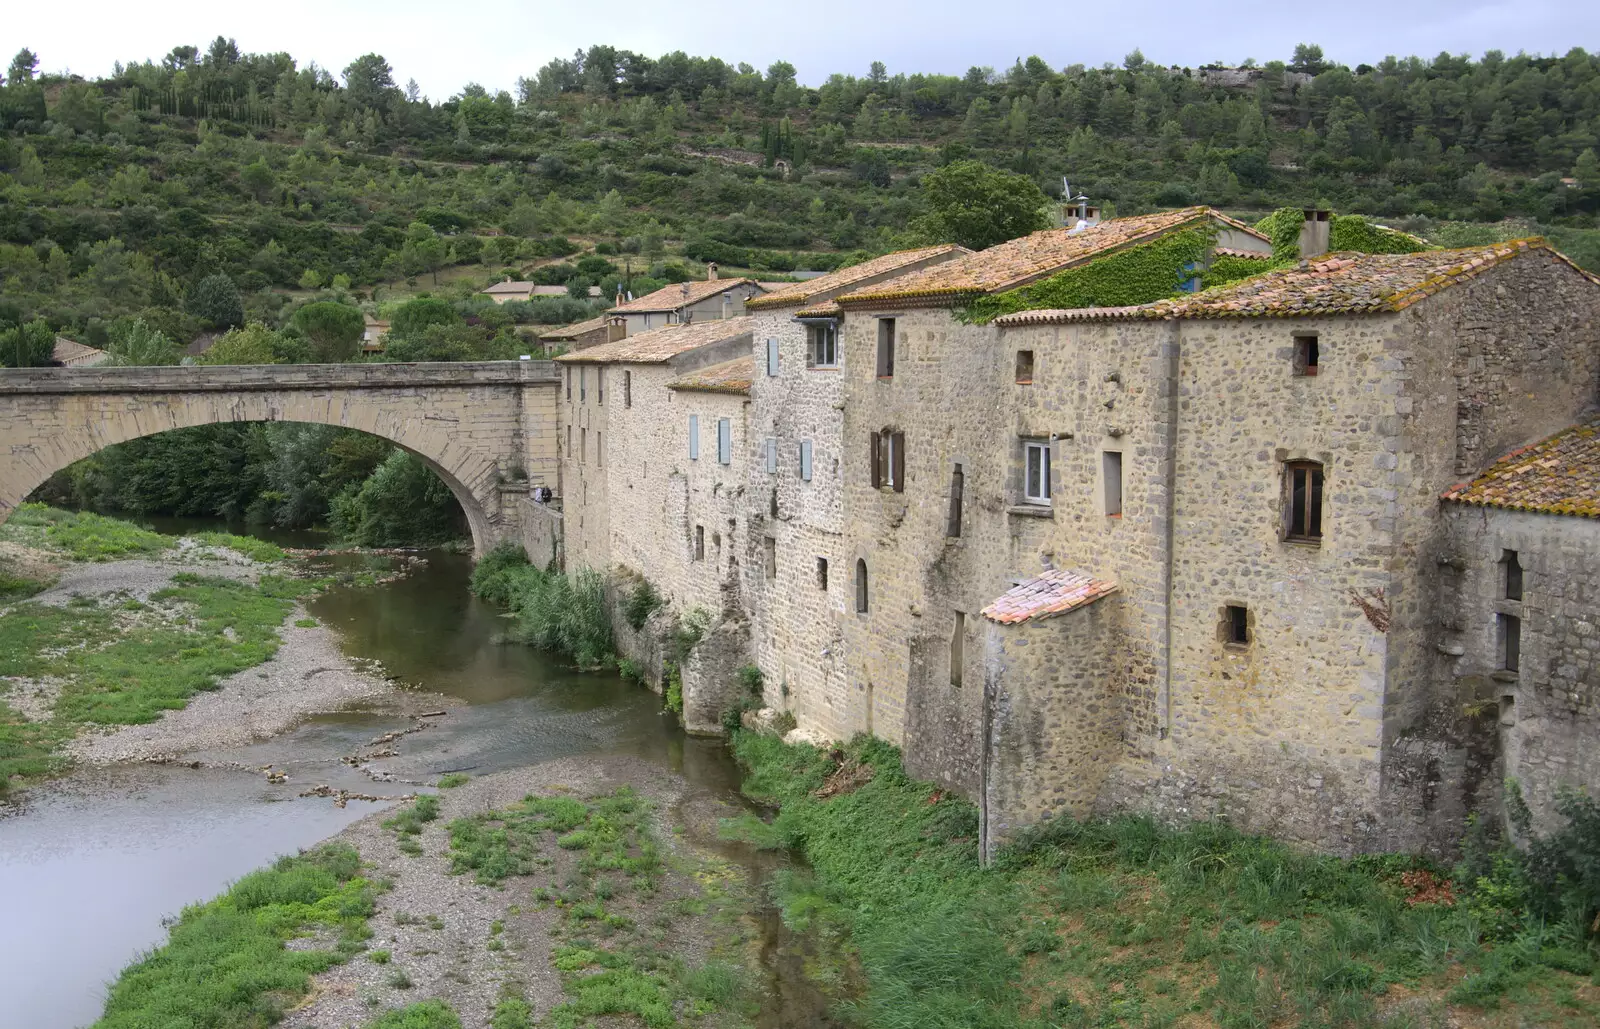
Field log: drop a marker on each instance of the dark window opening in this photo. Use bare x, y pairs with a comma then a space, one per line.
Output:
569, 382
1510, 642
1303, 481
1024, 367
1513, 575
1237, 625
822, 574
1112, 468
958, 640
888, 460
583, 385
772, 557
699, 542
1306, 354
861, 586
957, 487
600, 385
885, 348
627, 389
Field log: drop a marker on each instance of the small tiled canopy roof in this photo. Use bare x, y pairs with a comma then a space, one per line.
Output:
801, 292
1032, 257
657, 346
1343, 283
1051, 593
1559, 475
681, 294
728, 377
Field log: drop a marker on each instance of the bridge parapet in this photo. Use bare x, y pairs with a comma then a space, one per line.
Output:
255, 377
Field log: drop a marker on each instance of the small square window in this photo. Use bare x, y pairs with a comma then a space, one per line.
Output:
886, 348
1024, 368
1236, 625
1306, 353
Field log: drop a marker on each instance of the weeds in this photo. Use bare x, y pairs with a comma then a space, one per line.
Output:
225, 964
642, 601
83, 536
450, 780
408, 822
427, 1014
249, 546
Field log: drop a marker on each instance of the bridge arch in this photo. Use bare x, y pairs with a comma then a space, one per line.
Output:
470, 423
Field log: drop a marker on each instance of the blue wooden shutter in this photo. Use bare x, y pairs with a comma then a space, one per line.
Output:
724, 441
772, 357
805, 460
694, 437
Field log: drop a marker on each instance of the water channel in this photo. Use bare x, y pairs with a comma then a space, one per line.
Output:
91, 865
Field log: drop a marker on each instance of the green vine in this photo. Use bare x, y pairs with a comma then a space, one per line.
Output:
1348, 232
1138, 275
1226, 268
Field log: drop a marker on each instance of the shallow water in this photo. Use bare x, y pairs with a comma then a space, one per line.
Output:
91, 865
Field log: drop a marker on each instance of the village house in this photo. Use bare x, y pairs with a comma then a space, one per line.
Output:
706, 300
511, 289
578, 335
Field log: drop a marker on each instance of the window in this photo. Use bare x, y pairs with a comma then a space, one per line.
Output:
724, 441
771, 548
805, 460
583, 384
1024, 368
885, 348
771, 449
627, 388
569, 381
861, 586
1513, 575
1303, 484
1236, 625
694, 437
1305, 353
1510, 642
647, 319
569, 441
1036, 472
822, 574
772, 357
958, 641
599, 449
583, 444
699, 542
889, 460
822, 345
1111, 469
600, 385
958, 478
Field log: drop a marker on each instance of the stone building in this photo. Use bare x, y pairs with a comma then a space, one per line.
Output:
799, 607
682, 302
579, 335
1242, 492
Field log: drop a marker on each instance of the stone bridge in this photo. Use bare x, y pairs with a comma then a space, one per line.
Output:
488, 429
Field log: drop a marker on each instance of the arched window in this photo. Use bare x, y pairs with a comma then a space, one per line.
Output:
861, 586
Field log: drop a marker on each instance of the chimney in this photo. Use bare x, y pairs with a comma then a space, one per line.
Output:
620, 301
711, 270
1314, 233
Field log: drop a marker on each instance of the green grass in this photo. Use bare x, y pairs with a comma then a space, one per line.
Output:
306, 623
225, 966
84, 536
450, 780
1115, 922
408, 822
249, 546
14, 586
427, 1014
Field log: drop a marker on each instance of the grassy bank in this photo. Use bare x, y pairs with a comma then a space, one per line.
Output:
225, 965
564, 615
1125, 923
116, 660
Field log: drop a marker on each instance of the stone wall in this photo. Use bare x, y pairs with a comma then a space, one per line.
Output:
475, 424
1541, 721
542, 537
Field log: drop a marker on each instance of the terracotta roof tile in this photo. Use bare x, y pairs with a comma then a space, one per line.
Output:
657, 346
823, 310
1021, 261
1342, 283
728, 377
512, 286
801, 292
1559, 475
1253, 255
576, 329
1051, 593
75, 355
681, 294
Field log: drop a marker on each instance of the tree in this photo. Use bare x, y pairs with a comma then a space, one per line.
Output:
22, 67
134, 342
1308, 59
424, 251
27, 346
414, 316
977, 206
257, 177
215, 300
311, 279
253, 344
369, 82
333, 329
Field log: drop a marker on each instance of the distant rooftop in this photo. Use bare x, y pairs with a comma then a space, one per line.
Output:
1051, 593
794, 293
680, 294
728, 377
657, 346
1559, 475
574, 330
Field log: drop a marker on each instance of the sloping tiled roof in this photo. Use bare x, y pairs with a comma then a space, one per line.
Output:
1343, 283
576, 329
75, 355
1021, 261
1559, 475
680, 294
728, 377
1051, 593
657, 346
510, 287
801, 292
1252, 255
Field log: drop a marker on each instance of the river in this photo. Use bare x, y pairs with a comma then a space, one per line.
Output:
90, 865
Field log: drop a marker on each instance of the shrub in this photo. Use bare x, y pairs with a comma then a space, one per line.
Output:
495, 577
643, 600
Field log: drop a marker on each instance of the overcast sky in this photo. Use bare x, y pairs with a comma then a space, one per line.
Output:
444, 45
